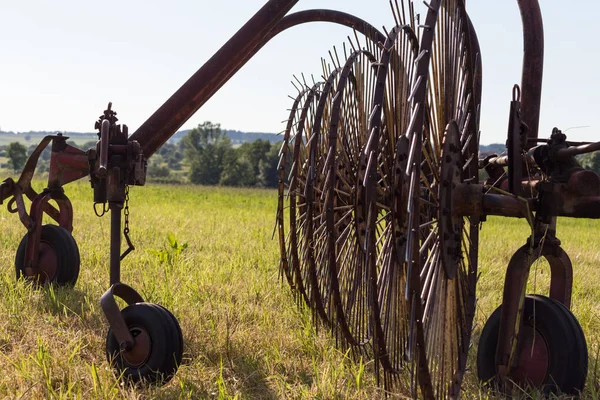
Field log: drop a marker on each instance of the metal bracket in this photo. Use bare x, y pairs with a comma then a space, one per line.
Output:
113, 313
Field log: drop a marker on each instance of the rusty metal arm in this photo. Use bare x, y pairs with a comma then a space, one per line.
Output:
266, 24
564, 154
533, 64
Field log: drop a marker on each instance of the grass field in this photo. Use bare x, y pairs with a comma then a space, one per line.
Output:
244, 335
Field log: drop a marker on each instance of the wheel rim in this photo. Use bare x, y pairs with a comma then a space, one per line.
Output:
47, 263
142, 347
534, 358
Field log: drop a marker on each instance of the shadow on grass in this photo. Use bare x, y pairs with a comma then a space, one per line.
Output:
242, 372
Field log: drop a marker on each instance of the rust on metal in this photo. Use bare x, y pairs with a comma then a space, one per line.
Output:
533, 64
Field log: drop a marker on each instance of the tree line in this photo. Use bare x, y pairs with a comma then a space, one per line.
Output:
204, 156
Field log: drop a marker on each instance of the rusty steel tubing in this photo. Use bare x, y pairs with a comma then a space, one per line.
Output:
565, 154
266, 24
115, 242
533, 65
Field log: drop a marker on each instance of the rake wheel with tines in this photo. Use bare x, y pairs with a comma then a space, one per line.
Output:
399, 267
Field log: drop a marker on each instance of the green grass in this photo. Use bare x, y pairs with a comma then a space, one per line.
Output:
244, 335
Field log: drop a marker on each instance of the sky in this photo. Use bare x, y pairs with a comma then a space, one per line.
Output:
62, 61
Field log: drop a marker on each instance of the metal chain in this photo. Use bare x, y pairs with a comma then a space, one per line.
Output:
126, 211
130, 246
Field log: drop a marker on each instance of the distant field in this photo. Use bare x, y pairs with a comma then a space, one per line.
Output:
244, 336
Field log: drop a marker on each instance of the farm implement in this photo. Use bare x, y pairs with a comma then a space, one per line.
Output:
379, 211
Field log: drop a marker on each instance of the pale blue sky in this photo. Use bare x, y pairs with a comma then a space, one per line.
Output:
62, 61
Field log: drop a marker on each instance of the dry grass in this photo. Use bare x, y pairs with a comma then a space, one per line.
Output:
244, 336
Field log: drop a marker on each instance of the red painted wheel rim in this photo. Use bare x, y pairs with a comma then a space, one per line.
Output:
47, 263
140, 352
534, 358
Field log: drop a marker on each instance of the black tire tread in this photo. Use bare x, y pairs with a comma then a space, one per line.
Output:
166, 346
559, 323
67, 252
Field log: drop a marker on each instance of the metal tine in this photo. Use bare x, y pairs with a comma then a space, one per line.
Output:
296, 87
396, 19
290, 188
351, 45
370, 140
387, 34
369, 164
411, 123
309, 181
428, 6
292, 170
325, 184
415, 88
467, 142
356, 37
429, 267
411, 157
409, 264
465, 128
401, 16
309, 143
336, 56
281, 161
333, 59
284, 145
421, 54
427, 240
299, 82
344, 48
469, 161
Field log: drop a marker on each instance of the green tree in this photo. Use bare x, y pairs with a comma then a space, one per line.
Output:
236, 171
590, 161
253, 153
204, 149
17, 155
268, 175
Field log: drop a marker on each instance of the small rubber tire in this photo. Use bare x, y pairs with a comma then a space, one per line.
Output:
564, 339
177, 344
165, 345
59, 240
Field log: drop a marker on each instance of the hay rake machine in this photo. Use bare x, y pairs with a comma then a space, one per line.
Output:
379, 205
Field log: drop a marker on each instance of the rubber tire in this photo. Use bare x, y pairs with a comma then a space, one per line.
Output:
166, 345
67, 254
174, 362
568, 357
